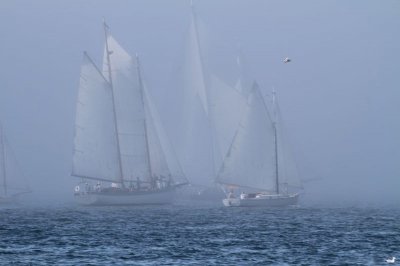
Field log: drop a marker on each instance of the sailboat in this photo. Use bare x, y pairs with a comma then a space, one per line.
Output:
12, 184
119, 139
256, 164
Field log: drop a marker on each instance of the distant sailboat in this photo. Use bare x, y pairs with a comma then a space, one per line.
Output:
119, 138
12, 184
255, 163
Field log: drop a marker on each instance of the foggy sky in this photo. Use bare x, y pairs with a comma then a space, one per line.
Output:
340, 96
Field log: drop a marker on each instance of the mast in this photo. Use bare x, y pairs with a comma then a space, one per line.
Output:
210, 117
3, 150
275, 142
113, 100
145, 120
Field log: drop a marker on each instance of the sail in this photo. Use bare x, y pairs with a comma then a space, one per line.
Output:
157, 156
95, 143
226, 108
250, 161
194, 146
193, 137
162, 154
242, 84
194, 73
129, 108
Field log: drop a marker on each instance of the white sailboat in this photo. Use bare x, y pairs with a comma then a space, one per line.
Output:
12, 183
256, 164
119, 139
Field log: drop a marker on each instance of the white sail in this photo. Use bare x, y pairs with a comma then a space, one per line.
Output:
193, 143
157, 156
226, 109
194, 73
95, 142
193, 131
130, 112
163, 156
250, 161
242, 84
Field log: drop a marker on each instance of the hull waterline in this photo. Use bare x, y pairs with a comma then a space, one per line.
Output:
158, 197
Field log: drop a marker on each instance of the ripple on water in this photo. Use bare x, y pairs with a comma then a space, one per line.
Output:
198, 236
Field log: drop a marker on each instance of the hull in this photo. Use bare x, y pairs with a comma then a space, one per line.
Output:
263, 201
159, 197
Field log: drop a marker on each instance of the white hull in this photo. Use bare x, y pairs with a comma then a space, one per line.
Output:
160, 197
263, 201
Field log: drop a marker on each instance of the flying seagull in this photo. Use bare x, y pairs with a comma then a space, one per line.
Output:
287, 60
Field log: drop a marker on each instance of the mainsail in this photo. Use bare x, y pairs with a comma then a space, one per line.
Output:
95, 142
130, 113
250, 161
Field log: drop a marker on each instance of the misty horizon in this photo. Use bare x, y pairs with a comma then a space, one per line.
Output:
339, 97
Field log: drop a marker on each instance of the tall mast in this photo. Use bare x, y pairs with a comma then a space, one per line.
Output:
113, 99
3, 151
210, 117
145, 120
276, 141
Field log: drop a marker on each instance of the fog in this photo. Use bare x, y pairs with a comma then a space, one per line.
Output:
340, 95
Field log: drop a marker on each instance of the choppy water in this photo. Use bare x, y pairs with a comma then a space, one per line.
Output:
183, 235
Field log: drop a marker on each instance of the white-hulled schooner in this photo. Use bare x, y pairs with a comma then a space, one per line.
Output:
12, 183
119, 140
258, 162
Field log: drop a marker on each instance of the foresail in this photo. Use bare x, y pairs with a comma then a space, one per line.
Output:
226, 108
162, 151
250, 161
130, 112
157, 155
95, 141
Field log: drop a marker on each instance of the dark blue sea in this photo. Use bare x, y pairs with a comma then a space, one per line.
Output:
197, 235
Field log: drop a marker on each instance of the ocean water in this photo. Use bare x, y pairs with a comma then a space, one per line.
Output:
197, 235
